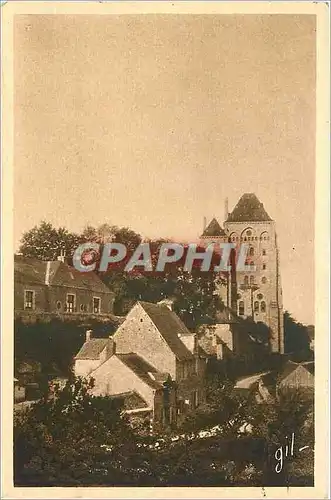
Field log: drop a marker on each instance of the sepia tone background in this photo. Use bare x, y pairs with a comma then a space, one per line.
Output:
150, 121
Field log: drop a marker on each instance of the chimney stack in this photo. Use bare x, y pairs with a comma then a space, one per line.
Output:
88, 335
226, 209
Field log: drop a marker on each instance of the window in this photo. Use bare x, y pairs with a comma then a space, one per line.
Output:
58, 305
251, 251
246, 280
256, 306
260, 296
263, 307
71, 299
264, 266
252, 265
249, 232
241, 308
251, 280
264, 280
29, 299
96, 305
264, 252
83, 308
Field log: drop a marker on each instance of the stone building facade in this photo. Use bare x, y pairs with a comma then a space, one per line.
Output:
255, 293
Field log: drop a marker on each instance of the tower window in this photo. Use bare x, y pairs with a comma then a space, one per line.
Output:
256, 306
263, 307
251, 280
264, 280
241, 308
252, 264
246, 280
264, 266
251, 251
264, 252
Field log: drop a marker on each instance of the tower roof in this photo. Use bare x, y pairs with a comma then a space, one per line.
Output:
249, 208
214, 229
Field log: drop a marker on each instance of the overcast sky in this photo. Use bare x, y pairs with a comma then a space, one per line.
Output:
151, 121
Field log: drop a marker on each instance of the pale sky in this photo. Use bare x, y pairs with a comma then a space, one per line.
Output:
151, 121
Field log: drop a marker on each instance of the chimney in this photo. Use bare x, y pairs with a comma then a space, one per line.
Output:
226, 209
62, 255
88, 335
204, 224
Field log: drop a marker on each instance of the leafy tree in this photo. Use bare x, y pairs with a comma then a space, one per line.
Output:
296, 338
45, 242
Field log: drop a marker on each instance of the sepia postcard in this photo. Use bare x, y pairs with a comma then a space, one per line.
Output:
165, 249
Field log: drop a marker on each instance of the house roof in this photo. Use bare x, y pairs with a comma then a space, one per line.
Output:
33, 271
227, 316
291, 366
170, 326
145, 371
248, 209
91, 349
214, 229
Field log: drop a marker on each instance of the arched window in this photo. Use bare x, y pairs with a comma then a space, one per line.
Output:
256, 306
251, 280
246, 280
241, 308
264, 280
264, 252
263, 306
260, 296
264, 266
251, 251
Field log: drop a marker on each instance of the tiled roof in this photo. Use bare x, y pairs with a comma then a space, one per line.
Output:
32, 271
92, 349
169, 326
143, 370
248, 209
214, 229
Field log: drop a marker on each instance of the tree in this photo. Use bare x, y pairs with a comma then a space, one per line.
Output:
296, 338
45, 242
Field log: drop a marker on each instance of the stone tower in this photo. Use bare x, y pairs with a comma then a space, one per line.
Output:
256, 293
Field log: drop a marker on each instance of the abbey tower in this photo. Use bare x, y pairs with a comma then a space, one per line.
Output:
256, 293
